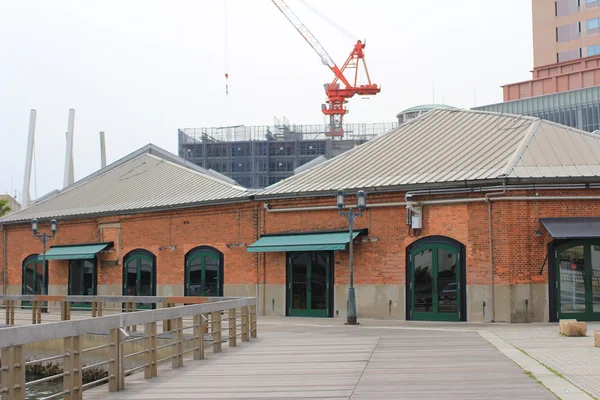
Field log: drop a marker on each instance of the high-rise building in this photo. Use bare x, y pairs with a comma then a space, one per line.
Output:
565, 30
565, 86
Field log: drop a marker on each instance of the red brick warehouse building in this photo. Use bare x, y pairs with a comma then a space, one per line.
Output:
472, 216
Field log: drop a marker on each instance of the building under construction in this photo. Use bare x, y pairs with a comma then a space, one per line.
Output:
259, 156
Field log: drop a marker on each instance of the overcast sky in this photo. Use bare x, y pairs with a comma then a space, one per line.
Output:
141, 69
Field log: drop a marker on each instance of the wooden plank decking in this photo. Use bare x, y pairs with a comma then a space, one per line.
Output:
304, 362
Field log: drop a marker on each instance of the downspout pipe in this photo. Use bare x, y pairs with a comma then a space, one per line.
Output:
488, 198
4, 259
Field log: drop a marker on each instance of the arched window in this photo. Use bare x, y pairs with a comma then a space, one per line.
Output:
204, 272
139, 273
35, 276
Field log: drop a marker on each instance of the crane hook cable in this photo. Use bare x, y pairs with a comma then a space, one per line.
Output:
226, 52
329, 20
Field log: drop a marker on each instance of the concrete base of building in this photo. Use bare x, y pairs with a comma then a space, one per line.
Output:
372, 301
273, 299
521, 303
479, 301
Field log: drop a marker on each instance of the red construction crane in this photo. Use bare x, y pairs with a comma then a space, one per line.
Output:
336, 95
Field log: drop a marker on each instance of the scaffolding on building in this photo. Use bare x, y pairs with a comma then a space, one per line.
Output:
259, 156
283, 130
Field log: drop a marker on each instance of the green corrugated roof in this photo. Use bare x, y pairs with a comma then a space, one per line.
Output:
303, 242
74, 252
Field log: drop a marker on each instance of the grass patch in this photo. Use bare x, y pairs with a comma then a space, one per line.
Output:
555, 372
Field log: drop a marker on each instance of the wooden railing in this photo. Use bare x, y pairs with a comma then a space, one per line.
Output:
123, 343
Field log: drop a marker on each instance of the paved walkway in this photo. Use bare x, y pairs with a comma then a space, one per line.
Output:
323, 359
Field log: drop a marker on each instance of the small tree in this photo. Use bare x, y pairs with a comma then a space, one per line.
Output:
4, 207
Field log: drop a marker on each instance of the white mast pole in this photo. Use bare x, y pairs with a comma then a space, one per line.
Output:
26, 198
102, 150
69, 175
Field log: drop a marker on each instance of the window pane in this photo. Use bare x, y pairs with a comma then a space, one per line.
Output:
572, 283
29, 284
211, 286
195, 277
76, 272
88, 278
423, 271
299, 278
318, 284
131, 284
146, 279
592, 24
447, 282
596, 278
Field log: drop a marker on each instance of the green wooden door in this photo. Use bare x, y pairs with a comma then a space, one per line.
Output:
139, 277
435, 283
203, 274
82, 280
309, 284
578, 280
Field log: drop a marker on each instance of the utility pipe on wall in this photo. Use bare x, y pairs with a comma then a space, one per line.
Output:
4, 259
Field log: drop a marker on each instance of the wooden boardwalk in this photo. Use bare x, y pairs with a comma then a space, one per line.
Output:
338, 362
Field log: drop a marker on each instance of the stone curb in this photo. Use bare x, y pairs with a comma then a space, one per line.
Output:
557, 385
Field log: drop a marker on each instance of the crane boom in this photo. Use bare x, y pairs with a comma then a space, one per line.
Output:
306, 34
337, 96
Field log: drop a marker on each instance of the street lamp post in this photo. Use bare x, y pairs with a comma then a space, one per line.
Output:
351, 215
44, 238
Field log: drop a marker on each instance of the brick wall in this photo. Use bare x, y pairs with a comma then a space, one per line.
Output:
518, 252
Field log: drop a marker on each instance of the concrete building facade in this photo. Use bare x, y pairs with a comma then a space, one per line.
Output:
501, 225
564, 30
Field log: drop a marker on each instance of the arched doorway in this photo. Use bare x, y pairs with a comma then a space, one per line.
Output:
35, 276
436, 280
204, 272
139, 274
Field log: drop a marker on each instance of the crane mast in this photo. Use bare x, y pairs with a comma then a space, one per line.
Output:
336, 95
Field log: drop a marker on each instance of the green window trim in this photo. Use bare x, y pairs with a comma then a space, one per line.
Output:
203, 272
584, 288
140, 263
433, 287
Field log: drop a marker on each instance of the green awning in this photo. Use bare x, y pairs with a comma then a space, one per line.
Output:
303, 242
74, 252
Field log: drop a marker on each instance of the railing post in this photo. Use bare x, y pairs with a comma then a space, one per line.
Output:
99, 310
167, 322
115, 368
216, 331
34, 305
232, 327
199, 337
13, 373
151, 369
253, 322
6, 355
38, 312
133, 309
177, 335
10, 311
245, 325
65, 310
73, 382
205, 322
94, 308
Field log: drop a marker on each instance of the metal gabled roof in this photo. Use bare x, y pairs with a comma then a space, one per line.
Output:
150, 178
451, 146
